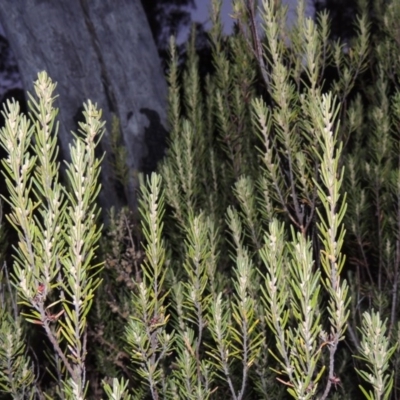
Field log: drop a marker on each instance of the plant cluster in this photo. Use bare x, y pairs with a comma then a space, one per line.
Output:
265, 259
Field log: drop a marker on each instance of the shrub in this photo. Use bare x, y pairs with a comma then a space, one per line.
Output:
234, 281
53, 272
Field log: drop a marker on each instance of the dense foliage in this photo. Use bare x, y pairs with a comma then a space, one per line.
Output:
264, 260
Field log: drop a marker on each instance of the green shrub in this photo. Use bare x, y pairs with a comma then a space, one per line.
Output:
235, 282
57, 235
